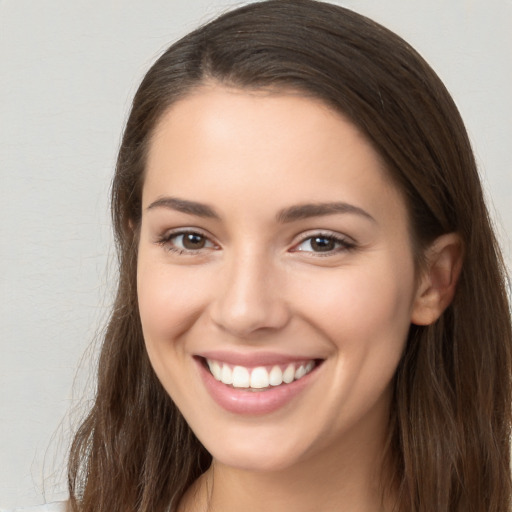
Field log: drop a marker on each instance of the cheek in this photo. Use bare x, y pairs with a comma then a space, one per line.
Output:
364, 313
170, 300
362, 308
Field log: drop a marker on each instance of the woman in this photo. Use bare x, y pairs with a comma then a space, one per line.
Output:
311, 309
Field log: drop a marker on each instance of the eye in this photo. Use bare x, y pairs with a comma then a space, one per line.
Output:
186, 242
324, 243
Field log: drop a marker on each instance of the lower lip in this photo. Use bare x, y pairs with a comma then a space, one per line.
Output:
243, 401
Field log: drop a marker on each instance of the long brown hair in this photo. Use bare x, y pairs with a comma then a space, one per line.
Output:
451, 414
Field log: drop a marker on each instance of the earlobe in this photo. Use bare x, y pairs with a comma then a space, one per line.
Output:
438, 282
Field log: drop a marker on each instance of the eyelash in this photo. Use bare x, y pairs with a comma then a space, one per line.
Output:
166, 242
343, 243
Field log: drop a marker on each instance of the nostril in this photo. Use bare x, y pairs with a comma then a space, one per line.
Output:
248, 300
245, 320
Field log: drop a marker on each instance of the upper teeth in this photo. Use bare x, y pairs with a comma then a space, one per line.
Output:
260, 377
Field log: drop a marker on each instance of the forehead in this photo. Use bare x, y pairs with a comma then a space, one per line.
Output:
273, 146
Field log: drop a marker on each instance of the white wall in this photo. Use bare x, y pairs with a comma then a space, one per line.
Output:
68, 71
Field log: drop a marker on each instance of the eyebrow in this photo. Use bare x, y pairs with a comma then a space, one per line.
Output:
290, 214
304, 211
184, 206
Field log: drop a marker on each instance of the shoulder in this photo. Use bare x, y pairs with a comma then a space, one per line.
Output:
58, 506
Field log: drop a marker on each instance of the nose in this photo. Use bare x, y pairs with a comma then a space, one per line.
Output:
250, 299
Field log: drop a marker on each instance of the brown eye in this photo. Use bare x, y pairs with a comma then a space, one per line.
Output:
193, 241
322, 244
186, 242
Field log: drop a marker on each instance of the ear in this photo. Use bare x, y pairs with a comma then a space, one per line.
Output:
438, 281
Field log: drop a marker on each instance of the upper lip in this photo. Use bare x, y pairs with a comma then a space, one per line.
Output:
254, 358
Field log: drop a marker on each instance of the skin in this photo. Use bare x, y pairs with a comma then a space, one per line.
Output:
258, 284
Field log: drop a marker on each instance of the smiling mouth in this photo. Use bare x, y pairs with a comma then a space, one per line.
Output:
260, 378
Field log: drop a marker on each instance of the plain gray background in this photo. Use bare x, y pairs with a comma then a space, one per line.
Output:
68, 71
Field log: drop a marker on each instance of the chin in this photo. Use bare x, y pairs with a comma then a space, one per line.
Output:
254, 460
256, 449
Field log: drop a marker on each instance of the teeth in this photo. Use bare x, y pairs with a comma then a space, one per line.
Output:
275, 377
215, 369
300, 372
289, 374
259, 377
226, 376
241, 378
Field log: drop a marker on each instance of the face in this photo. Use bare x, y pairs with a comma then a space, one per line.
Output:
276, 279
